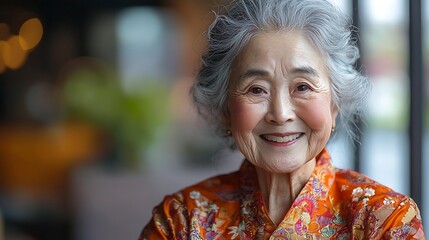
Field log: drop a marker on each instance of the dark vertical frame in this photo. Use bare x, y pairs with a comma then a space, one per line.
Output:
356, 23
416, 100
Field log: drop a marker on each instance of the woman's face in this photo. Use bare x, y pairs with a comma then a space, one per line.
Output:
279, 101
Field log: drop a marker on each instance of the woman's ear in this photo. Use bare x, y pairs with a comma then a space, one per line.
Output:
334, 113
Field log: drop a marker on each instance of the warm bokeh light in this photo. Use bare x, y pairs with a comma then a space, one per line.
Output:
30, 33
4, 31
13, 54
14, 48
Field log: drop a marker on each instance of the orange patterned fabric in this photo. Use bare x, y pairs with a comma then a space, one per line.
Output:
334, 204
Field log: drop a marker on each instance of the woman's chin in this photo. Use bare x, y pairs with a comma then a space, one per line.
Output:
282, 166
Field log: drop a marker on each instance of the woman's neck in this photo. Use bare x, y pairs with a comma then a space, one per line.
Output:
280, 189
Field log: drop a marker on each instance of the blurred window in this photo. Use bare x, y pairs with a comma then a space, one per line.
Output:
384, 45
146, 45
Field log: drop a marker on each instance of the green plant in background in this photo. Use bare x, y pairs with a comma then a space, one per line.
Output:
131, 118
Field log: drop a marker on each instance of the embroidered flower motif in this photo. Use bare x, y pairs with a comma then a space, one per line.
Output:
195, 195
328, 232
307, 203
357, 191
338, 220
238, 231
369, 192
213, 207
301, 227
247, 205
306, 217
388, 201
195, 235
359, 194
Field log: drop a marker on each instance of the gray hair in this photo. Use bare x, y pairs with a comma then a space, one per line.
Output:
323, 23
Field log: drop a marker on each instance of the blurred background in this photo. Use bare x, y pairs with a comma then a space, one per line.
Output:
96, 123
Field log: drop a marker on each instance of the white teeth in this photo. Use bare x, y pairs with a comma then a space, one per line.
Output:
282, 139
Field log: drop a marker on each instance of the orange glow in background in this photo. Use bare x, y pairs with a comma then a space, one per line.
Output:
13, 54
14, 49
30, 34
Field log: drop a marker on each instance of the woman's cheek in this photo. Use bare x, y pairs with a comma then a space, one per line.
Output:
316, 113
244, 116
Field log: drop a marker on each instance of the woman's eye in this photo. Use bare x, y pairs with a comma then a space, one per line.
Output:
256, 90
303, 88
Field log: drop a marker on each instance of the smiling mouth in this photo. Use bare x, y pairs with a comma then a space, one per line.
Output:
283, 139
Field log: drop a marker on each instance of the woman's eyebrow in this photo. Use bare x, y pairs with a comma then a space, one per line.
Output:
307, 70
254, 73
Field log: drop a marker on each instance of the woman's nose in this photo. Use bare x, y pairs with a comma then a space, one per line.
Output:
281, 110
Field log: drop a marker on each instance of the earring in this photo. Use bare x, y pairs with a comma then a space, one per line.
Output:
332, 130
228, 132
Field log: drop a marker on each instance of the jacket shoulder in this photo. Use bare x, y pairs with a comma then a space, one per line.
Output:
376, 210
172, 218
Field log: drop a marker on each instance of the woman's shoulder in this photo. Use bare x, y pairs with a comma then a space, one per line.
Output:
361, 187
220, 188
374, 208
204, 200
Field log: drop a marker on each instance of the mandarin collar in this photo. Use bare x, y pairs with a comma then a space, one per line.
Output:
252, 205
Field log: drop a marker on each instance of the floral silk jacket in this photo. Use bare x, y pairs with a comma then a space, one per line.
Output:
334, 204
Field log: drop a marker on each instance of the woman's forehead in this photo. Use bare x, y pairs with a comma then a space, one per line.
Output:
290, 50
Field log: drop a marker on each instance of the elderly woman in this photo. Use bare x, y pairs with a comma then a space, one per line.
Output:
277, 78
